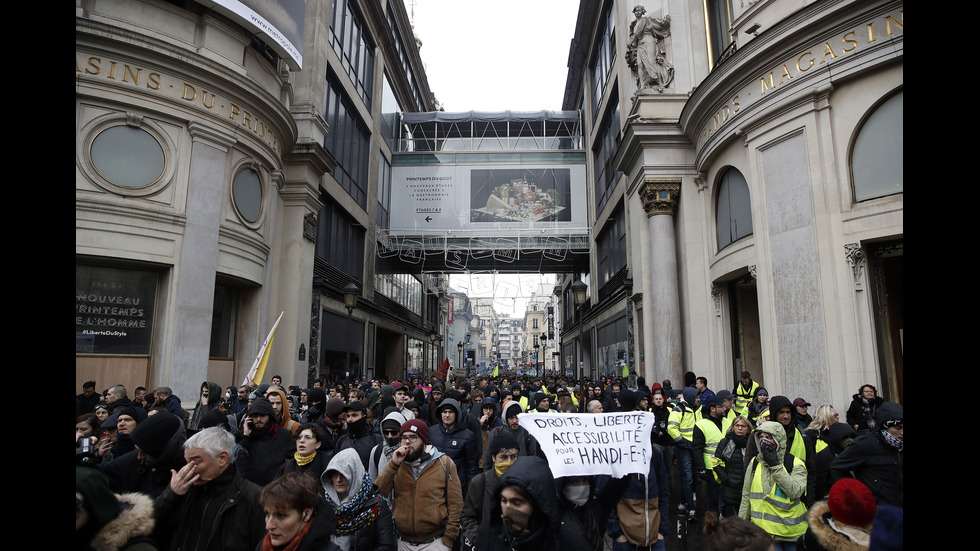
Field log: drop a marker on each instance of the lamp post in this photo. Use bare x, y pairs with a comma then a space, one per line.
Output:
459, 361
536, 347
544, 346
350, 302
580, 292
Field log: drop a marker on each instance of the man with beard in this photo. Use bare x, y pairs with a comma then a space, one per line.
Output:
268, 445
427, 498
526, 444
241, 404
359, 434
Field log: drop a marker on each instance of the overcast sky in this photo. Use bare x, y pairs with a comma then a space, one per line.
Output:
498, 55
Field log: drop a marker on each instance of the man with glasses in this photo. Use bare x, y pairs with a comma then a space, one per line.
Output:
427, 496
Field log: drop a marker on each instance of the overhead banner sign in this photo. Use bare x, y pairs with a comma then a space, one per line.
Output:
279, 24
498, 200
585, 444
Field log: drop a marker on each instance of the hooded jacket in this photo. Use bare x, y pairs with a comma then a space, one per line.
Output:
791, 484
364, 521
200, 410
548, 532
825, 535
267, 448
874, 462
458, 442
643, 510
285, 420
382, 452
115, 522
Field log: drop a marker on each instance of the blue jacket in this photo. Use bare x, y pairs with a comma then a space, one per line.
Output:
459, 443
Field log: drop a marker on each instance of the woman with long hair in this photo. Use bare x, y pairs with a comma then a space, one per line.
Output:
296, 517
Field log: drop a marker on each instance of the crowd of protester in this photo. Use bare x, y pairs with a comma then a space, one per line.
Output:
435, 465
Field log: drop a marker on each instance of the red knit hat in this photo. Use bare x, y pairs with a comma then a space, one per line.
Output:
851, 502
417, 426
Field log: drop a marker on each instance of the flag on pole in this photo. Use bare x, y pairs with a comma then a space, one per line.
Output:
496, 370
262, 358
444, 368
626, 370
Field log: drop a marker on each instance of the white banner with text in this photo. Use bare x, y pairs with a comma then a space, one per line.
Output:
583, 444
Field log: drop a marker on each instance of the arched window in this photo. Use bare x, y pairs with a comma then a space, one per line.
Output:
877, 167
733, 211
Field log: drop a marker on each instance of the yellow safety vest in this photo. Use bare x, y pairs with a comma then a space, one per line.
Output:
775, 513
711, 438
680, 423
743, 398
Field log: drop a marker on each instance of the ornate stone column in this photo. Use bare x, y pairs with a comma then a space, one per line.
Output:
660, 196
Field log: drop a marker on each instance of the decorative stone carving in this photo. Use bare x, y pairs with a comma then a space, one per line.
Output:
753, 271
309, 226
660, 195
646, 54
855, 257
716, 296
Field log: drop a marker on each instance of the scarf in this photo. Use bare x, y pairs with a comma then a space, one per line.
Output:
303, 460
352, 516
891, 441
293, 545
869, 413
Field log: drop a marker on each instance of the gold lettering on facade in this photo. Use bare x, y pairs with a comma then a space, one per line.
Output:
93, 62
889, 20
127, 71
785, 76
768, 86
204, 100
871, 33
827, 49
95, 66
809, 62
851, 42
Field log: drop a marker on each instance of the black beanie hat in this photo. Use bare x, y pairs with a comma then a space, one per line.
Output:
627, 400
153, 434
214, 418
504, 440
97, 499
262, 406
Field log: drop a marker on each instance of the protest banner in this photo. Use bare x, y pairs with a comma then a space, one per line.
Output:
584, 444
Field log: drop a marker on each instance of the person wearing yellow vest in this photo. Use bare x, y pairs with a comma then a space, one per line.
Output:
744, 393
680, 428
707, 433
772, 494
783, 412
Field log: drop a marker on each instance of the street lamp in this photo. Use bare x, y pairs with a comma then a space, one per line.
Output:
580, 292
350, 302
544, 346
459, 361
536, 347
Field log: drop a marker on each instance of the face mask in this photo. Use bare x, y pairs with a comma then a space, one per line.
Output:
516, 522
501, 468
578, 495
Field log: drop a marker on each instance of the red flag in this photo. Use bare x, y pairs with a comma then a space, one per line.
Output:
444, 368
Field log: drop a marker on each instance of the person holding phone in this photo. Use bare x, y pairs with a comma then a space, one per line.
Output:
772, 493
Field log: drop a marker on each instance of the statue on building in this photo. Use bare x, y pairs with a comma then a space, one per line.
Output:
646, 54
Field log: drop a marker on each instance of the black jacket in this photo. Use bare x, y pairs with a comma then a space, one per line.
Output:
875, 463
731, 451
549, 532
238, 526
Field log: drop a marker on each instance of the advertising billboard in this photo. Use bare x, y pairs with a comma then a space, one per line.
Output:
492, 200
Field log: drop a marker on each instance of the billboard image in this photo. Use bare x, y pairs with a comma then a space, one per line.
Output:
520, 195
497, 199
